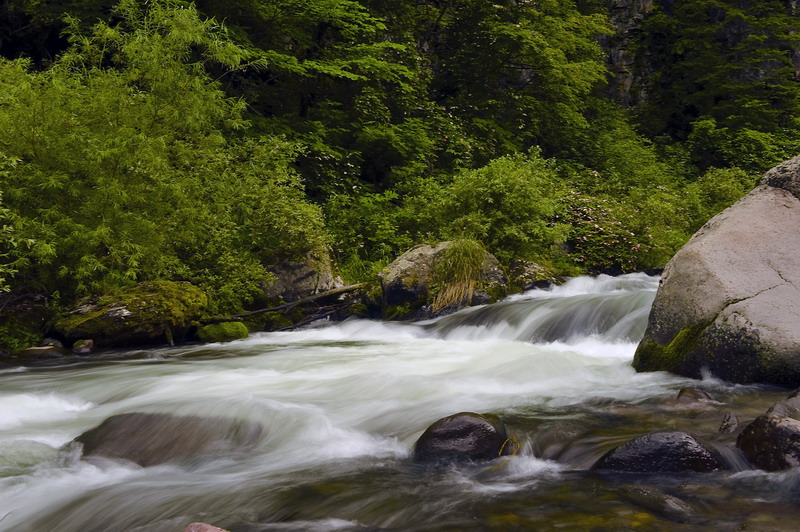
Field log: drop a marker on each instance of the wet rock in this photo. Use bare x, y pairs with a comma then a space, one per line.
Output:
662, 452
154, 312
693, 395
83, 347
526, 275
202, 527
772, 441
659, 502
408, 283
729, 299
151, 439
730, 423
223, 332
51, 342
464, 436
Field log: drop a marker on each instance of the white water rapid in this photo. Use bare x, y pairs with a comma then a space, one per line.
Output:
342, 405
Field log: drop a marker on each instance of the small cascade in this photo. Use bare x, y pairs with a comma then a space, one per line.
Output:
613, 309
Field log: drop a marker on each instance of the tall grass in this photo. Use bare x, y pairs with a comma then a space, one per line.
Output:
456, 273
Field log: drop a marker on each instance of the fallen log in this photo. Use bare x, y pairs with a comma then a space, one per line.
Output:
309, 299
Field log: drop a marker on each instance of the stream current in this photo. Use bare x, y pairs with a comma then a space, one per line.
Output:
342, 405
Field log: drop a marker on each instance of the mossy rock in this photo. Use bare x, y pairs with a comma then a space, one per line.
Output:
223, 332
151, 312
430, 280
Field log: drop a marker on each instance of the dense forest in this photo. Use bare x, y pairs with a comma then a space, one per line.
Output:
209, 141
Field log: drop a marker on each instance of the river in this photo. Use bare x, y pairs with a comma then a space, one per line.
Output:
342, 405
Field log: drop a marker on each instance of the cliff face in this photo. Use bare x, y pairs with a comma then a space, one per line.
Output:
630, 66
625, 64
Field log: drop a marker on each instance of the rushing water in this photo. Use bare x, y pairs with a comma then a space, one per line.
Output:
343, 404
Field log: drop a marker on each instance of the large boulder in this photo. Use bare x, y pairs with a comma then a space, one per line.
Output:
729, 300
463, 437
772, 441
298, 279
411, 282
662, 452
151, 439
147, 313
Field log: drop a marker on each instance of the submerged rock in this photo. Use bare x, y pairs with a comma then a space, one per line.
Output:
729, 299
147, 313
464, 436
408, 283
691, 395
203, 527
772, 441
662, 452
151, 439
730, 423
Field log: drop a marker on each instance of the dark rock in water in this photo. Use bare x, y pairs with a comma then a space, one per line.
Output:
729, 299
730, 423
662, 452
464, 436
659, 502
693, 395
202, 527
772, 441
150, 439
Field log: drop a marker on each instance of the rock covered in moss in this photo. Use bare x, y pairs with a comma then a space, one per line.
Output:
147, 313
662, 452
729, 299
410, 282
223, 332
464, 436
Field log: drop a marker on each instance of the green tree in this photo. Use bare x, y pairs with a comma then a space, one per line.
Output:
724, 79
129, 163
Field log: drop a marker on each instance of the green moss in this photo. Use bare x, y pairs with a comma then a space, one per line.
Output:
223, 332
146, 311
358, 309
15, 336
496, 291
652, 356
268, 321
24, 324
399, 312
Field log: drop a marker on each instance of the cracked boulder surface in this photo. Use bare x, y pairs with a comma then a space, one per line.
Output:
729, 301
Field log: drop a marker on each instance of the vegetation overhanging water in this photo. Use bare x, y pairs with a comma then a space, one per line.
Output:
342, 405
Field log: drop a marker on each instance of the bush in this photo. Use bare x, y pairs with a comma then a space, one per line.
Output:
713, 192
509, 205
122, 172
